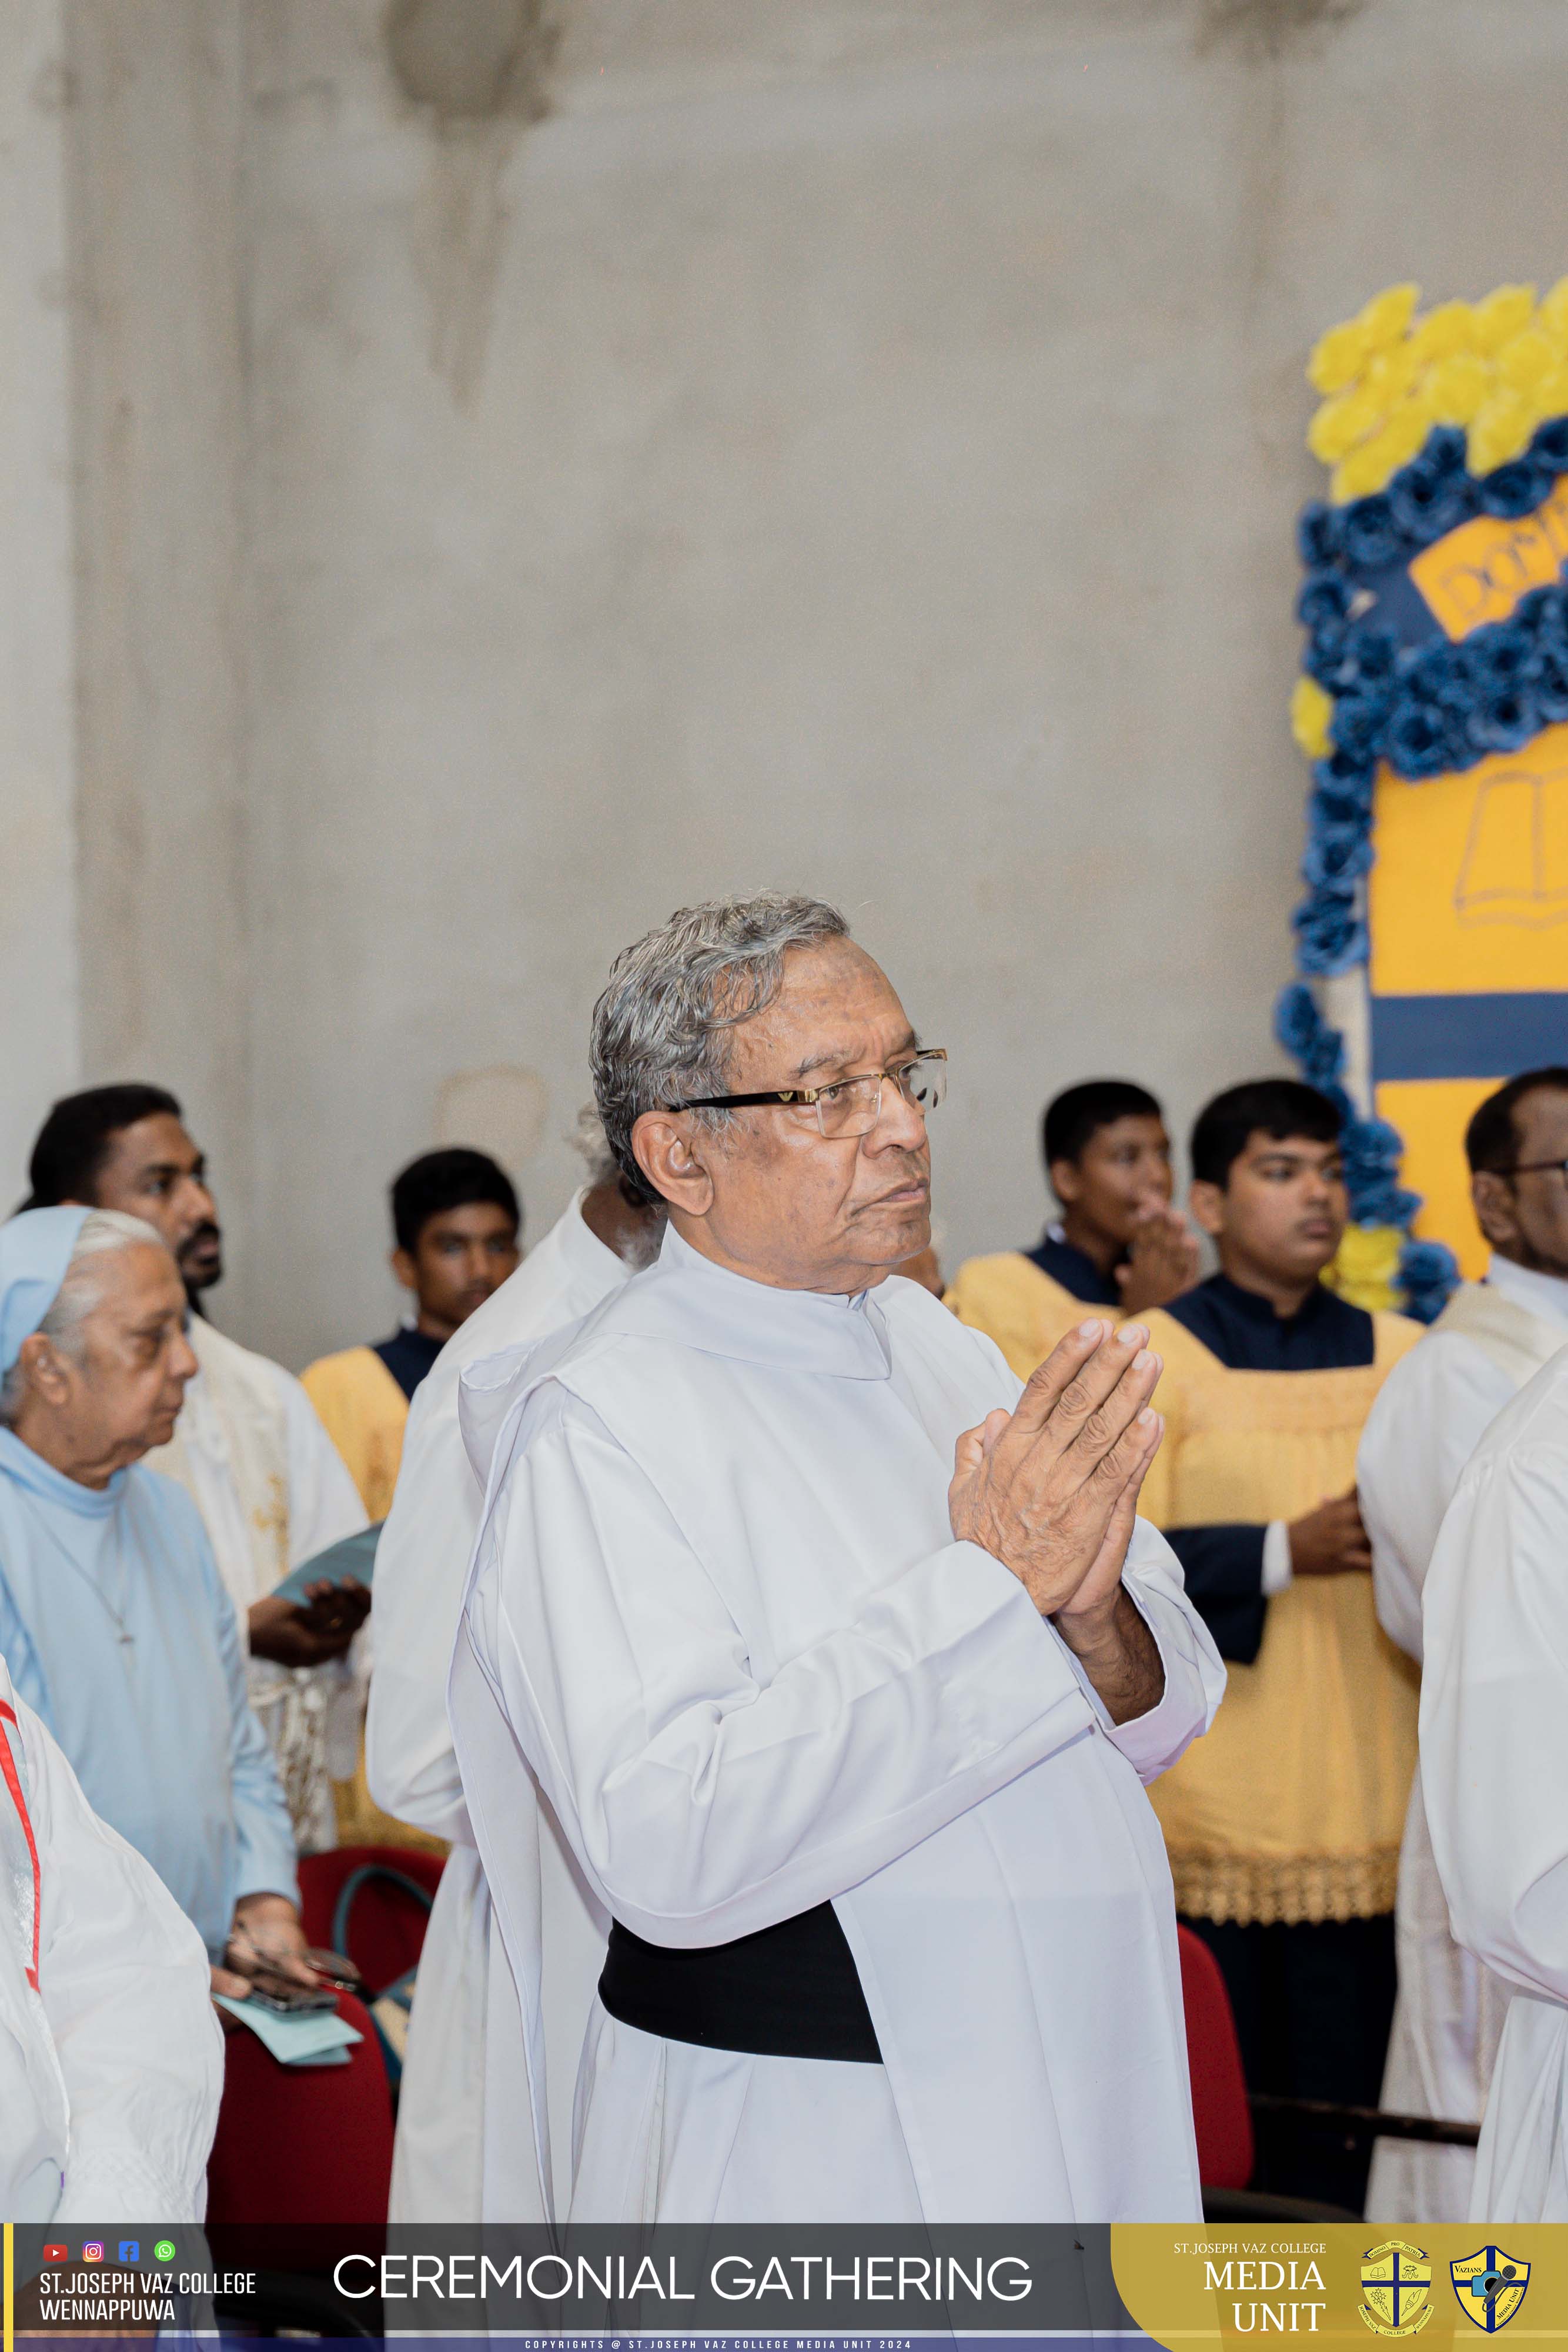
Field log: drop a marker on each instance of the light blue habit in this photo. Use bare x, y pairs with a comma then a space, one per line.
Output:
116, 1628
35, 1251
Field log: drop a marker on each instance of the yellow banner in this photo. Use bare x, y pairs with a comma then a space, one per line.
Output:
1346, 2285
1479, 573
1470, 887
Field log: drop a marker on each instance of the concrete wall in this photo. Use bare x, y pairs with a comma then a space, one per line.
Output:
38, 957
846, 446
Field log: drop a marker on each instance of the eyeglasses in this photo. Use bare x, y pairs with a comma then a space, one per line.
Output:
849, 1105
1537, 1167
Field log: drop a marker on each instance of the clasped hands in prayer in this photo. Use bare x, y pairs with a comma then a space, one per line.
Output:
1052, 1489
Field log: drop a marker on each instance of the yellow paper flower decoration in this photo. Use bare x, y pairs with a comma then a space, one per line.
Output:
1450, 328
1365, 1268
1339, 357
1497, 367
1530, 356
1501, 429
1386, 318
1311, 710
1504, 314
1453, 390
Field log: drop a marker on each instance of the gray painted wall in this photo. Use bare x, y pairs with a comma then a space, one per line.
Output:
851, 445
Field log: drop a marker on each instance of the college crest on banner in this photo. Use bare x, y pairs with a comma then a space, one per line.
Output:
1396, 2289
1433, 937
1491, 2287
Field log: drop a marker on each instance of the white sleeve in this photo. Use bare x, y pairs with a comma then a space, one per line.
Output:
1427, 1421
126, 1988
422, 1564
324, 1503
1494, 1713
1195, 1677
702, 1802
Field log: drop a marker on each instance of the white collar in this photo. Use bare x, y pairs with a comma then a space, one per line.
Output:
583, 1250
685, 1297
1541, 1294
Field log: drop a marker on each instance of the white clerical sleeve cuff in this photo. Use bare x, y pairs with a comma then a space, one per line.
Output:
1278, 1569
1194, 1676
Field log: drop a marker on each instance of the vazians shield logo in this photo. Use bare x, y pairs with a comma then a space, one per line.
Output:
1491, 2287
1396, 2289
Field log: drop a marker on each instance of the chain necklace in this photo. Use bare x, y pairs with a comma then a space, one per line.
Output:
123, 1633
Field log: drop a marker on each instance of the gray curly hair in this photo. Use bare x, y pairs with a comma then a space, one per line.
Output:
661, 1029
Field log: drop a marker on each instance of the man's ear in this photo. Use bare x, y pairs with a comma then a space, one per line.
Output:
1497, 1213
1207, 1202
43, 1370
402, 1263
673, 1160
1066, 1181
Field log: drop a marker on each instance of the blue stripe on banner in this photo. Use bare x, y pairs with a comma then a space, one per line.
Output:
1468, 1037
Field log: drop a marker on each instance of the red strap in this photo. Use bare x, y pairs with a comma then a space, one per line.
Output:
12, 1778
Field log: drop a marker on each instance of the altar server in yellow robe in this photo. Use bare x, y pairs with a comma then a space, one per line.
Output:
1283, 1826
456, 1225
1117, 1243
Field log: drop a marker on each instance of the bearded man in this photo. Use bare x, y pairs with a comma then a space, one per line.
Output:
839, 1659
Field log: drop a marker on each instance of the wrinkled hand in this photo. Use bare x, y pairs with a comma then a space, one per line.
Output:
1052, 1489
295, 1634
1162, 1260
1331, 1540
265, 1947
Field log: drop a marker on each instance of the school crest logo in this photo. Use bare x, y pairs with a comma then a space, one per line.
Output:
1396, 2289
1491, 2287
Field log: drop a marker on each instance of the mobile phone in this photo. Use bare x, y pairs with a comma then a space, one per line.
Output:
297, 2003
336, 1968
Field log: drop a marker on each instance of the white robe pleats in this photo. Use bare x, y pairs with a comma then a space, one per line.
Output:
464, 2066
110, 2056
1432, 1412
1494, 1777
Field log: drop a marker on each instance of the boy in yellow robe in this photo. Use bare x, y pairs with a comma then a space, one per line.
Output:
1118, 1242
456, 1226
1283, 1826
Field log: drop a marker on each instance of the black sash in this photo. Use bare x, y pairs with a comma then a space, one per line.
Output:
787, 1992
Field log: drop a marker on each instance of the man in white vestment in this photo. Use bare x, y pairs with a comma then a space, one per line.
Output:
459, 2060
249, 1447
840, 1660
110, 2059
1429, 1419
1494, 1775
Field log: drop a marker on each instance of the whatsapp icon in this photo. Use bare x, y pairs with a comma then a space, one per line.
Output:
163, 2251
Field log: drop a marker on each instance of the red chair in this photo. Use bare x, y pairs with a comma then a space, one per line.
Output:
386, 1922
302, 2145
1221, 2117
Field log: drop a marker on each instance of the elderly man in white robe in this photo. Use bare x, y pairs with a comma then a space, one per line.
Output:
464, 2054
1431, 1414
111, 2058
840, 1661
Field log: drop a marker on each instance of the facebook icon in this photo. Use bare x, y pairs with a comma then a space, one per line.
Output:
131, 2250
